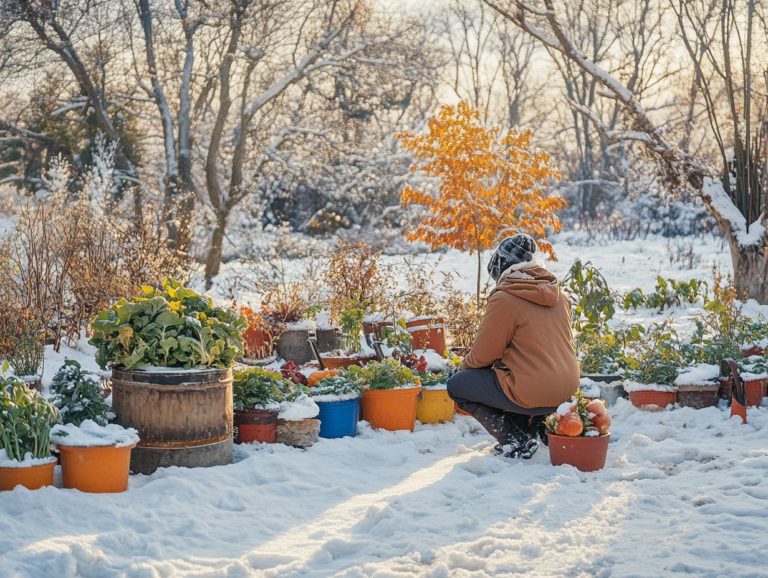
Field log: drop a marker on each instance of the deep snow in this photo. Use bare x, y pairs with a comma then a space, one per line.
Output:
683, 492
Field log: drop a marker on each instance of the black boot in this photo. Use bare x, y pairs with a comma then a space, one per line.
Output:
508, 429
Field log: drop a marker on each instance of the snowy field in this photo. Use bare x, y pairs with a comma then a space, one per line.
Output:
683, 493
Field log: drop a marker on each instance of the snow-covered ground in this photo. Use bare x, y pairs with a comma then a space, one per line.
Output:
683, 492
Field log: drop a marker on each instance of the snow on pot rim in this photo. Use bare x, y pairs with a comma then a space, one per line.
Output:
27, 462
303, 407
630, 386
91, 434
334, 397
436, 387
399, 387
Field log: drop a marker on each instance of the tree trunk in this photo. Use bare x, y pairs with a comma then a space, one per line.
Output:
750, 270
215, 250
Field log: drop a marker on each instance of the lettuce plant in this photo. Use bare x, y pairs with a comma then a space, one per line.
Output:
25, 420
168, 327
385, 374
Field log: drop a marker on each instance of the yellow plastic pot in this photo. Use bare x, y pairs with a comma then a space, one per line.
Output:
434, 406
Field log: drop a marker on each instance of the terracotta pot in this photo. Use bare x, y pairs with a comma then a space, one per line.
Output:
258, 342
391, 409
32, 477
584, 453
428, 333
755, 390
652, 400
339, 362
753, 350
298, 433
376, 327
98, 469
699, 395
256, 425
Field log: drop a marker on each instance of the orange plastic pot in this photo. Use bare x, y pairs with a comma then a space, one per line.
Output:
755, 390
428, 333
652, 400
97, 469
32, 477
391, 409
256, 425
584, 453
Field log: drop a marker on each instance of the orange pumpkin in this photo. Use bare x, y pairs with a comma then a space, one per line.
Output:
570, 425
319, 376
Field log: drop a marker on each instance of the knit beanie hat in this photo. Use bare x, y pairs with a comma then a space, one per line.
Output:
511, 251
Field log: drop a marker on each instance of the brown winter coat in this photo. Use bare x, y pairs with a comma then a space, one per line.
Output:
526, 336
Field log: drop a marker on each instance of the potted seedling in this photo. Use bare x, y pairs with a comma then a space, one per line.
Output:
434, 405
27, 353
297, 425
171, 351
351, 352
390, 394
257, 393
653, 366
258, 339
95, 455
26, 419
755, 376
578, 433
338, 397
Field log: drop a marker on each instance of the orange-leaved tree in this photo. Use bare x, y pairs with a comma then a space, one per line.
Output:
491, 184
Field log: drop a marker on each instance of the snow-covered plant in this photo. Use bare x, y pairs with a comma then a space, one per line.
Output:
579, 417
336, 385
656, 356
26, 419
78, 395
169, 327
256, 387
385, 374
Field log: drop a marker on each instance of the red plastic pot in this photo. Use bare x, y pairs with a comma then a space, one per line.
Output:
256, 425
652, 400
584, 453
428, 333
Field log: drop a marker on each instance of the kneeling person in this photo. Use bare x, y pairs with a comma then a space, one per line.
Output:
522, 364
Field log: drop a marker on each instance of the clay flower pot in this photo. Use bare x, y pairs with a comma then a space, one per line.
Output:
258, 342
342, 361
256, 425
391, 409
96, 469
427, 333
298, 433
31, 477
755, 389
586, 453
652, 400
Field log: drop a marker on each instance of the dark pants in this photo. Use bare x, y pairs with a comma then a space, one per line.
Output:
482, 386
478, 392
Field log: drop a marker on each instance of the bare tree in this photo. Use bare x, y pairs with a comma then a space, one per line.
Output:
733, 194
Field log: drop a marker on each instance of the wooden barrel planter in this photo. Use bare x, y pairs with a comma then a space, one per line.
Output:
184, 417
327, 338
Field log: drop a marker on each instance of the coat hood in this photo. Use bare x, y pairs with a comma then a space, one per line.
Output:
535, 284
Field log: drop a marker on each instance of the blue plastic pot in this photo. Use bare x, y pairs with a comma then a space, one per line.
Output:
339, 419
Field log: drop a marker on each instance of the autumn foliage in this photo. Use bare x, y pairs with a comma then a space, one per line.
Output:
492, 183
